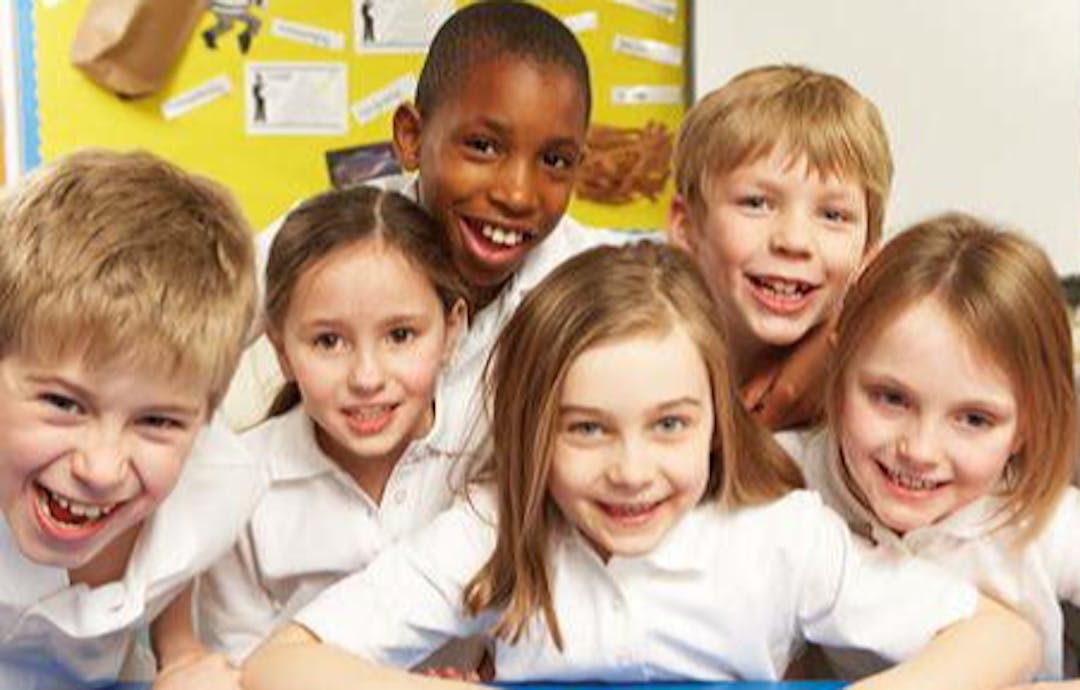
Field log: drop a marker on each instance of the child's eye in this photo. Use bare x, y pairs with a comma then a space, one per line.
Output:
559, 160
163, 422
671, 423
402, 335
888, 397
586, 429
327, 341
754, 202
61, 402
837, 215
976, 420
481, 145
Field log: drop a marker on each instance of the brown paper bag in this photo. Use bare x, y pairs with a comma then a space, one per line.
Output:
129, 46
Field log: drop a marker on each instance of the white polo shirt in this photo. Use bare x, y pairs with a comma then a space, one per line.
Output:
57, 635
726, 595
313, 526
971, 543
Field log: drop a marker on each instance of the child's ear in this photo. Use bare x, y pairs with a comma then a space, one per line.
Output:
680, 230
456, 324
407, 130
282, 358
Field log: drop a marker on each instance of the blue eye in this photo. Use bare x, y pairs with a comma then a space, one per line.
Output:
587, 429
836, 215
672, 423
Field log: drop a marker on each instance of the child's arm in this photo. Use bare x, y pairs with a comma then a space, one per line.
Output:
992, 647
792, 393
294, 658
183, 661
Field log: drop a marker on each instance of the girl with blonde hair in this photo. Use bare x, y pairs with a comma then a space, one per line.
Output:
952, 419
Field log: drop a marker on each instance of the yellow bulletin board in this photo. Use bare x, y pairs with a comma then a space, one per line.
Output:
633, 47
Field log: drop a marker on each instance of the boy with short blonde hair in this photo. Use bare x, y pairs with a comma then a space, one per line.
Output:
126, 289
782, 177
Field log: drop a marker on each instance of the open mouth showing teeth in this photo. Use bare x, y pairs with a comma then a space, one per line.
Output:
67, 511
782, 288
370, 412
500, 236
911, 482
630, 510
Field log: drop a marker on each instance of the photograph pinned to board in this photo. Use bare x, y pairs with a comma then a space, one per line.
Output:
358, 164
296, 98
397, 26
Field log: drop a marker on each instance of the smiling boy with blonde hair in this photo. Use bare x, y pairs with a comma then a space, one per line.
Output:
126, 289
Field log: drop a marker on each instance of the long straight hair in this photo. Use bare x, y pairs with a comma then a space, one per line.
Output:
601, 295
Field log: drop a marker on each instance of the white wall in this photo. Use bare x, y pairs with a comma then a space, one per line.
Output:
981, 98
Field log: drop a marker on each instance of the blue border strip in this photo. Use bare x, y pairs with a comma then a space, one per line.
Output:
30, 124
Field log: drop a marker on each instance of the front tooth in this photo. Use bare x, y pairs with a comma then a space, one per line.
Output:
93, 512
78, 509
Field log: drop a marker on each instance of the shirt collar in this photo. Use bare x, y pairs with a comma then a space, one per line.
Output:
975, 520
678, 552
296, 453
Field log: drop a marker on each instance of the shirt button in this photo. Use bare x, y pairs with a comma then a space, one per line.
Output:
400, 496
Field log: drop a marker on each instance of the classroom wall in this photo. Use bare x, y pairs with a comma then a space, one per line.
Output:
981, 97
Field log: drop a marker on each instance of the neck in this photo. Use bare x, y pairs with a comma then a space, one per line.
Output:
110, 563
370, 472
483, 296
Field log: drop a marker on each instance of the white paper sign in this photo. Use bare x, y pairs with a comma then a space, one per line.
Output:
296, 98
385, 99
194, 98
632, 95
666, 9
310, 35
397, 26
579, 23
648, 49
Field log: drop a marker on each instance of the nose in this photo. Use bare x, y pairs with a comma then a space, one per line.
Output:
918, 444
515, 189
790, 234
367, 374
632, 467
102, 465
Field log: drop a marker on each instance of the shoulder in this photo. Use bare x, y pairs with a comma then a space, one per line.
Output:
793, 521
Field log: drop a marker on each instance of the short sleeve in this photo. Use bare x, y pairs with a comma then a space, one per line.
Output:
408, 601
874, 598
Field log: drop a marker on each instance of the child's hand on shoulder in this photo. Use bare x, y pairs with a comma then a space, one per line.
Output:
204, 670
